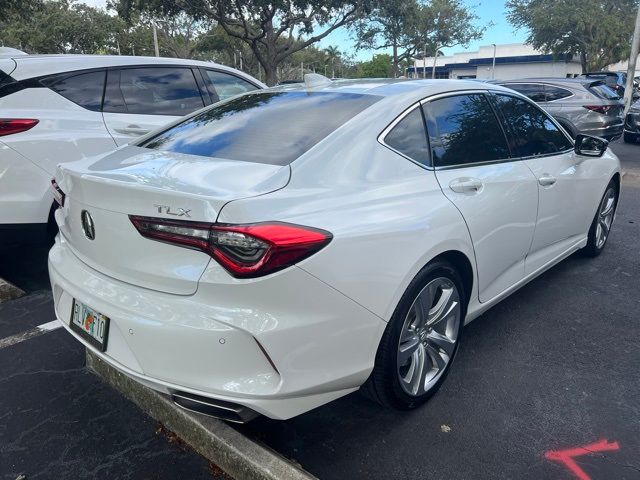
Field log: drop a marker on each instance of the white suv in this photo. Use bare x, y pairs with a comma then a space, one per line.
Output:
61, 108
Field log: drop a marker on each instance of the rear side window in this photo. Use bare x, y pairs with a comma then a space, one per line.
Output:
270, 127
556, 93
153, 91
224, 85
85, 89
464, 129
409, 137
532, 90
533, 131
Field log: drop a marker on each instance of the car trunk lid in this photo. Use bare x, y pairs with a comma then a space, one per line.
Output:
139, 181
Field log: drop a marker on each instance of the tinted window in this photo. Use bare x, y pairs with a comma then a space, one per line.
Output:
409, 137
271, 127
85, 89
603, 91
155, 91
556, 93
224, 85
463, 129
534, 91
533, 131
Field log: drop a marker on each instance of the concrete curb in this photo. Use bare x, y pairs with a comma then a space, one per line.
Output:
239, 456
8, 291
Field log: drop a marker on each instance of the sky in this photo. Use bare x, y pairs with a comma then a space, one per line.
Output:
487, 11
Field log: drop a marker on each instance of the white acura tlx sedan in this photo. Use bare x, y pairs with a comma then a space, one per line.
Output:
281, 249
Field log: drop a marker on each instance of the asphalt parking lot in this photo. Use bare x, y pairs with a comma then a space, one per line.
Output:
546, 385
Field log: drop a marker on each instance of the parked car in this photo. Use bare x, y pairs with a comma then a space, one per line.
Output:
59, 108
632, 124
617, 81
579, 105
284, 248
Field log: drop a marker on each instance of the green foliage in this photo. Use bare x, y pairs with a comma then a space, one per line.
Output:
61, 27
380, 66
408, 27
599, 31
273, 30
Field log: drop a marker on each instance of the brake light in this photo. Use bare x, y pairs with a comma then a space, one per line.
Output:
599, 108
245, 251
9, 126
58, 194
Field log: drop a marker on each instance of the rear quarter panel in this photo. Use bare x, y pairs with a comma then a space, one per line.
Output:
388, 218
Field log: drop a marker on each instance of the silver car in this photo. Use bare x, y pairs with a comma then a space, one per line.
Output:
580, 105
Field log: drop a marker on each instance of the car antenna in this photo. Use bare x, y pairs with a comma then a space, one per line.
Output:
313, 80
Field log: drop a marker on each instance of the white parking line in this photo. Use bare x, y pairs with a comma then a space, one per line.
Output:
34, 332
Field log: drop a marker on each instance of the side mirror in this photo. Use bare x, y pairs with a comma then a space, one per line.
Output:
590, 146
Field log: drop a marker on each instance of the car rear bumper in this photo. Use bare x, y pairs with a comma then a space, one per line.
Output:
610, 132
316, 346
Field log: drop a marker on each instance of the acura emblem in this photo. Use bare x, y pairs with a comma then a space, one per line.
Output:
87, 225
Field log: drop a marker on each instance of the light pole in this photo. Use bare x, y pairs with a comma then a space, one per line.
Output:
631, 68
493, 64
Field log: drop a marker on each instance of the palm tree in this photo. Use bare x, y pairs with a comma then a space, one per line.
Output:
333, 55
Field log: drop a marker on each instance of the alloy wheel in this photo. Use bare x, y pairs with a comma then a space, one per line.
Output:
429, 336
605, 217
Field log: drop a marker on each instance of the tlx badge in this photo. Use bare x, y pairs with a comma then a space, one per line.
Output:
166, 209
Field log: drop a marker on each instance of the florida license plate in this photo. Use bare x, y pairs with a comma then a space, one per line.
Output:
90, 325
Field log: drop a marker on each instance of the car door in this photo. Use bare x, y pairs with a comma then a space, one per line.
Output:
141, 99
565, 180
496, 195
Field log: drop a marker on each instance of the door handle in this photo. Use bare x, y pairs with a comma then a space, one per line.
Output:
132, 130
546, 180
466, 185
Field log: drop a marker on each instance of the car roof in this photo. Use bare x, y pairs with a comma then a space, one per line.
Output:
29, 66
385, 87
559, 81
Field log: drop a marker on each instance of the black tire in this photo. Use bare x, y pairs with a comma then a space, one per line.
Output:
593, 249
629, 137
52, 226
383, 385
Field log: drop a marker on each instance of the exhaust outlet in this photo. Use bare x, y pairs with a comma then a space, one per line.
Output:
230, 412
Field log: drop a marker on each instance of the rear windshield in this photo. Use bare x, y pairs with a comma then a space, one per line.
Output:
270, 127
603, 91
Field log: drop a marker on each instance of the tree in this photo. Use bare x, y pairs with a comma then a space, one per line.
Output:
599, 31
333, 57
380, 66
62, 27
400, 25
452, 24
409, 26
273, 30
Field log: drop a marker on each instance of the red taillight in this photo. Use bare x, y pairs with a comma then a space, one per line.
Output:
9, 126
599, 108
245, 251
58, 194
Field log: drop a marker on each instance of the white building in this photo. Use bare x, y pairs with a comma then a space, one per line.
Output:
622, 66
513, 60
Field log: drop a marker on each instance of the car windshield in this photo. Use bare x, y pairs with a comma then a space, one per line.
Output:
268, 127
603, 91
